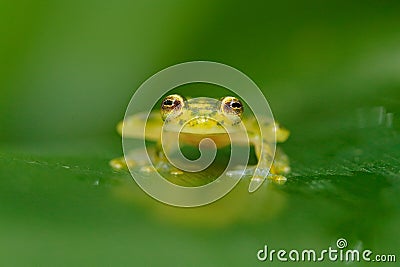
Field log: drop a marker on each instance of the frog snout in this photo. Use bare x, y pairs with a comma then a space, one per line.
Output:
205, 121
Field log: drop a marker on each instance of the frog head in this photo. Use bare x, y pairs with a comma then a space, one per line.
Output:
202, 115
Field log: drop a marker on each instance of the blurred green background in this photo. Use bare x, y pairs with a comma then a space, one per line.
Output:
331, 73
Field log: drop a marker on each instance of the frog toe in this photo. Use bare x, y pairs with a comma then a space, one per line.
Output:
277, 178
121, 163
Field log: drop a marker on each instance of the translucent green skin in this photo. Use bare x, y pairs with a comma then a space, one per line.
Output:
204, 119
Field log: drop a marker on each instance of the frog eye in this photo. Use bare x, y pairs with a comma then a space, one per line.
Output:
231, 105
172, 104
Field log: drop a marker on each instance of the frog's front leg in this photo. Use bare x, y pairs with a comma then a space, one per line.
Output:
162, 163
265, 154
265, 167
137, 159
134, 159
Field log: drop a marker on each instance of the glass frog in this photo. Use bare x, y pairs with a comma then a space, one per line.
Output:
199, 118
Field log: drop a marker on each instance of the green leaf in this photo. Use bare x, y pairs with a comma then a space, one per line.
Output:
330, 72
